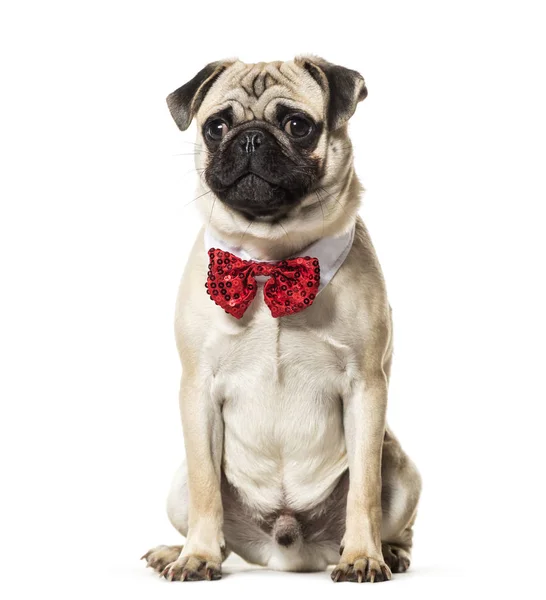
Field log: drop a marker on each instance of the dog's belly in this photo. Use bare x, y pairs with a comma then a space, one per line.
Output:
283, 423
280, 457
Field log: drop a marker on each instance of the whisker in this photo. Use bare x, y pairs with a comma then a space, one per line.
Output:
244, 233
190, 153
200, 196
316, 191
285, 233
335, 198
194, 170
322, 211
212, 208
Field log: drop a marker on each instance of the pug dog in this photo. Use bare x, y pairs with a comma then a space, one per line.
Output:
285, 337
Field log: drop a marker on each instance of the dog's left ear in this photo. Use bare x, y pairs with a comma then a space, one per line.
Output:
186, 100
344, 88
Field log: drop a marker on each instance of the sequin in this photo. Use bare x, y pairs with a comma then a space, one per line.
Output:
289, 282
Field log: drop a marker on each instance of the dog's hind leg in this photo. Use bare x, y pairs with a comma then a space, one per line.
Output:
242, 534
177, 510
401, 488
159, 557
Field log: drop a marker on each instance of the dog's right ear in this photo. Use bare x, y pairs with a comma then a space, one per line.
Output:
186, 100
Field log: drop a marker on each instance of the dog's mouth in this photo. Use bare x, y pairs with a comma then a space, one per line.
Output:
255, 196
242, 177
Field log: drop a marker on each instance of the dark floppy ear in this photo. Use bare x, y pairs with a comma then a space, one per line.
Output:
345, 88
186, 100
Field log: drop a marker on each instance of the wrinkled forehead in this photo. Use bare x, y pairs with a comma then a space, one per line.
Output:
253, 91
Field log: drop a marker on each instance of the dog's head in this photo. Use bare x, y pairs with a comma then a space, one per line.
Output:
272, 141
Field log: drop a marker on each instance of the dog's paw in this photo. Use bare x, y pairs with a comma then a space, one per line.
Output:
360, 570
192, 568
397, 558
159, 557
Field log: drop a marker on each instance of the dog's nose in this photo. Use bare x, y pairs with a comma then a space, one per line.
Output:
251, 140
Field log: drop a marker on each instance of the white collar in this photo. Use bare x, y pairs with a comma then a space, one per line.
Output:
330, 251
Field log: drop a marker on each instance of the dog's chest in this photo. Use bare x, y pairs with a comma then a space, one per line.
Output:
280, 384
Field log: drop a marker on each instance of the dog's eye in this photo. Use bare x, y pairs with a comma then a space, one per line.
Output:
297, 126
216, 129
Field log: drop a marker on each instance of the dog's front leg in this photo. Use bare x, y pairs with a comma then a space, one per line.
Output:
202, 422
364, 423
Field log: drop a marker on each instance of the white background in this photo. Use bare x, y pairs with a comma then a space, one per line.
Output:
97, 222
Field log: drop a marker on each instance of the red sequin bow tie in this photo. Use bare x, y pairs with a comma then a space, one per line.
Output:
292, 285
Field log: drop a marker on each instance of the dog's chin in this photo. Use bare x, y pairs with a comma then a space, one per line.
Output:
256, 198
